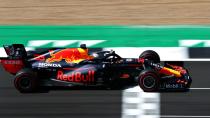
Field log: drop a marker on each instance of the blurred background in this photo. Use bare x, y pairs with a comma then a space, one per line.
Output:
177, 30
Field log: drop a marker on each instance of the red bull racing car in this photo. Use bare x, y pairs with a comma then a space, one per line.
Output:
71, 67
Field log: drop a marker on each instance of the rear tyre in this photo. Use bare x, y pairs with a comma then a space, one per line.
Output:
26, 81
149, 81
150, 55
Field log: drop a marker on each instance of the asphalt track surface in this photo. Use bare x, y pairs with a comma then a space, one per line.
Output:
101, 103
57, 103
193, 103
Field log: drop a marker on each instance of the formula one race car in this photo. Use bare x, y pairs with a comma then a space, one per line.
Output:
76, 67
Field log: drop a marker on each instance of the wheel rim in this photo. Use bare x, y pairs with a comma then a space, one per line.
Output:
149, 82
25, 83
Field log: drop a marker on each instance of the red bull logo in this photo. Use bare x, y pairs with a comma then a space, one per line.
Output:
76, 76
70, 55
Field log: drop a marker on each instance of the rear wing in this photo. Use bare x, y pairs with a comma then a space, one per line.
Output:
15, 51
15, 61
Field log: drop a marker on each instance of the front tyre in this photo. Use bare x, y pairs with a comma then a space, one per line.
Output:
26, 81
149, 81
150, 55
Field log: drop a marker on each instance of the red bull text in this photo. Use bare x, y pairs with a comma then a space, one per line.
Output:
76, 76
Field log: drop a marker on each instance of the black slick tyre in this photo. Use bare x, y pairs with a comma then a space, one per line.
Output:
26, 81
149, 81
150, 55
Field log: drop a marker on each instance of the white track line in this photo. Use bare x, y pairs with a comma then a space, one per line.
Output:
200, 88
165, 53
197, 59
137, 104
183, 116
